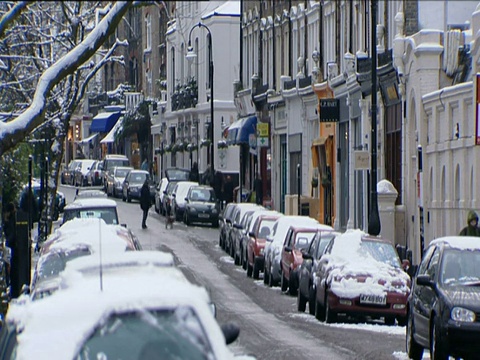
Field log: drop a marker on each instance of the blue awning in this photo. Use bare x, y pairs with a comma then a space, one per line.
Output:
240, 131
104, 122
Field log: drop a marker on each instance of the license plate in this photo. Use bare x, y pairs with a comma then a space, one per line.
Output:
373, 299
203, 216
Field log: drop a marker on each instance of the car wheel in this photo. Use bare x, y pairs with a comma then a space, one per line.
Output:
319, 311
156, 208
389, 320
283, 283
414, 351
249, 269
402, 320
330, 316
311, 300
292, 287
265, 275
256, 269
301, 302
437, 348
187, 220
236, 259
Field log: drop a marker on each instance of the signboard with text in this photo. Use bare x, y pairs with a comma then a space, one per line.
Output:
329, 110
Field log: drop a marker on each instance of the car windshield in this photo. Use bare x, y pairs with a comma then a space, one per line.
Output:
460, 267
53, 263
382, 252
108, 214
138, 178
265, 227
121, 172
202, 195
177, 174
117, 162
142, 335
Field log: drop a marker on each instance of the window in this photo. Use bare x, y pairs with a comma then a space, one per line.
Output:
393, 161
148, 32
433, 264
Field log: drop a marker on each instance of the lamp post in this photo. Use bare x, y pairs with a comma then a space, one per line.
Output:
190, 56
374, 217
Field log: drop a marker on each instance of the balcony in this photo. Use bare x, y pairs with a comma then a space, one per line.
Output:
185, 95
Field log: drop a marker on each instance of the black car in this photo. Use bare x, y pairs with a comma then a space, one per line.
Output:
225, 223
444, 306
201, 206
311, 257
132, 185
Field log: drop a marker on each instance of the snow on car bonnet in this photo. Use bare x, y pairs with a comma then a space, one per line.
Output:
354, 271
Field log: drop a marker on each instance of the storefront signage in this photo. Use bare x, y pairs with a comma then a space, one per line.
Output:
329, 110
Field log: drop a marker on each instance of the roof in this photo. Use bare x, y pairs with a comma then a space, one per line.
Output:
229, 8
459, 242
91, 203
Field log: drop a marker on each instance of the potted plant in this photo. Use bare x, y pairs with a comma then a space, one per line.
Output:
205, 143
314, 182
222, 144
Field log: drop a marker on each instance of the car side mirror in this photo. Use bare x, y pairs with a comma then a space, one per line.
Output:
186, 199
124, 225
424, 280
252, 234
230, 331
269, 238
307, 256
405, 264
288, 249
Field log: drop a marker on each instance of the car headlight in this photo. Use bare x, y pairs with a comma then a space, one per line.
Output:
462, 314
214, 211
192, 209
262, 251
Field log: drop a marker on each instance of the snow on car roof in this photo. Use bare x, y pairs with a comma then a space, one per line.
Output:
347, 260
77, 310
284, 222
91, 202
460, 242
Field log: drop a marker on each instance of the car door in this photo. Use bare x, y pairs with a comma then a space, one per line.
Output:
424, 296
287, 256
321, 273
307, 264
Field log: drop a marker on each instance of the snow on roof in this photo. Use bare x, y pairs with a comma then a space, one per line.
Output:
284, 222
91, 202
459, 242
229, 8
77, 310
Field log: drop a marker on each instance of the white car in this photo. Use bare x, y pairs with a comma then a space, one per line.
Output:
179, 194
273, 247
92, 208
99, 312
115, 178
159, 193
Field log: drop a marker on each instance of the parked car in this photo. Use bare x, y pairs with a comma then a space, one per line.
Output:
443, 307
60, 201
133, 184
261, 227
115, 177
105, 209
161, 186
297, 240
273, 247
308, 267
178, 323
201, 206
240, 231
361, 275
109, 162
80, 173
89, 193
68, 174
237, 216
225, 223
173, 175
179, 195
95, 174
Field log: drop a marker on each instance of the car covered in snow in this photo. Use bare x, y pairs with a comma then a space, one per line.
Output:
123, 314
361, 275
92, 208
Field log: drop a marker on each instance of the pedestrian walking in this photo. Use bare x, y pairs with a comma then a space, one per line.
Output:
145, 202
218, 185
194, 173
144, 165
472, 228
228, 190
258, 188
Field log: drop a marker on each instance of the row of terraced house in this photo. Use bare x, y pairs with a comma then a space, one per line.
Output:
282, 90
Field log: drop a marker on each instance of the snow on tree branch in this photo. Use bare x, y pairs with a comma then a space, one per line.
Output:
11, 15
14, 131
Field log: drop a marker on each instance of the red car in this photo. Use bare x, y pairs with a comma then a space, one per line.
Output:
256, 242
361, 275
297, 240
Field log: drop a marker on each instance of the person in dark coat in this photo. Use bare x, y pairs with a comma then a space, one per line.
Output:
218, 185
228, 190
472, 228
30, 207
145, 202
258, 188
194, 173
10, 231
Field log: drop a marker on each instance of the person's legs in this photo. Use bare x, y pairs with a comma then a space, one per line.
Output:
144, 220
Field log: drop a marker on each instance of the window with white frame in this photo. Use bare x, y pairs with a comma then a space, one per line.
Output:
148, 32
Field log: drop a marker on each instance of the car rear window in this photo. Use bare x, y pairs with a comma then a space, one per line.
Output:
108, 214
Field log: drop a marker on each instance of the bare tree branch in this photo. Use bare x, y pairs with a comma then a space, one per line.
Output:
16, 130
10, 16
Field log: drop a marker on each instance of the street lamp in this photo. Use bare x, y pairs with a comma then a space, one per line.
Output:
191, 55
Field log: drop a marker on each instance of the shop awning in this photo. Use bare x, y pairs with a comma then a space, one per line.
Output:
88, 139
110, 137
104, 122
240, 131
